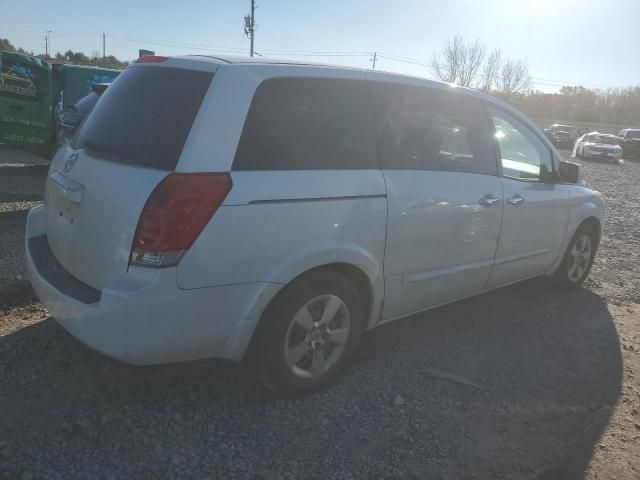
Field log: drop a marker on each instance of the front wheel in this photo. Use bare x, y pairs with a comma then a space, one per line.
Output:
310, 333
578, 258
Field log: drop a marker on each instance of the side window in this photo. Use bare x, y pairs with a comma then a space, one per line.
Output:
422, 128
308, 124
522, 153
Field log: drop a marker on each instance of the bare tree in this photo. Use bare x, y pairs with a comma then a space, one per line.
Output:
491, 70
459, 62
514, 77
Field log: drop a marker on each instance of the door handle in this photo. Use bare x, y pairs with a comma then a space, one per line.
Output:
488, 200
515, 200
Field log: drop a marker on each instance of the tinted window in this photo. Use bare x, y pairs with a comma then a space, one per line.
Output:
308, 124
432, 129
522, 152
144, 117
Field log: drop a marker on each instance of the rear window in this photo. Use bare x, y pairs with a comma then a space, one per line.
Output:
144, 117
308, 124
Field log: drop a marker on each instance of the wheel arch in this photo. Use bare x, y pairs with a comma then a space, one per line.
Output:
356, 274
595, 223
352, 261
591, 213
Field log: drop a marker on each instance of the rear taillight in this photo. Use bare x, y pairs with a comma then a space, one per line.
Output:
175, 213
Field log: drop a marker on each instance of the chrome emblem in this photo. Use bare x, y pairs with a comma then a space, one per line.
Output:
71, 161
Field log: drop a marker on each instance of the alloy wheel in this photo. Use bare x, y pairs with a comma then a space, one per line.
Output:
317, 336
579, 258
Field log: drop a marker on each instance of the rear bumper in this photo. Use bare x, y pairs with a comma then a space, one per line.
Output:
144, 318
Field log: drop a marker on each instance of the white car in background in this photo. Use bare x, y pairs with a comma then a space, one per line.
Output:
599, 146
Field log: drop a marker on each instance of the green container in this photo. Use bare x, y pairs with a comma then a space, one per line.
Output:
77, 81
31, 88
26, 100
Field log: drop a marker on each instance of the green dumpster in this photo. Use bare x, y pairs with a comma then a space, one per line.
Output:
77, 81
26, 100
30, 89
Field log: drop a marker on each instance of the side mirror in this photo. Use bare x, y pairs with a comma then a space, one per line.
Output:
571, 172
548, 176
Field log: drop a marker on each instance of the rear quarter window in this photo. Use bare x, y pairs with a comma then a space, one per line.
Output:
308, 124
145, 116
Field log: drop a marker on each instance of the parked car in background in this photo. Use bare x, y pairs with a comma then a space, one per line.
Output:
561, 136
601, 146
256, 209
70, 117
630, 142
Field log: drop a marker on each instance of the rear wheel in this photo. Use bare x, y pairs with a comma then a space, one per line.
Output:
578, 258
310, 333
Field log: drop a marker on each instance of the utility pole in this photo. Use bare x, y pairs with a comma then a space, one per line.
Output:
373, 60
104, 36
250, 25
46, 42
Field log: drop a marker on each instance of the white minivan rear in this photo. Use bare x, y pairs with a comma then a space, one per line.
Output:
212, 207
171, 221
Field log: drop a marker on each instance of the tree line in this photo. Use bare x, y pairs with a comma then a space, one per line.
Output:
71, 57
471, 64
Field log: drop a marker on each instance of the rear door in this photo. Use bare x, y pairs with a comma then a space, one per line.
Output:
536, 211
98, 186
444, 197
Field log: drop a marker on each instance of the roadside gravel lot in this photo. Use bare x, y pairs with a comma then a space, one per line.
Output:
523, 382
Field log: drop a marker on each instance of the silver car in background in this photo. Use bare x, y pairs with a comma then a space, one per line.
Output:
602, 146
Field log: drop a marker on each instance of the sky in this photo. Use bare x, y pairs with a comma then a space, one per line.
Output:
594, 43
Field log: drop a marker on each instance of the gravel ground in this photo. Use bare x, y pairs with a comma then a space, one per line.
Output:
523, 382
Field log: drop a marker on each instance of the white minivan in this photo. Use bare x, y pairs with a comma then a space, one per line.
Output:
216, 207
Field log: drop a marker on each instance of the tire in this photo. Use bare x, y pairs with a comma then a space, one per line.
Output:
290, 345
577, 262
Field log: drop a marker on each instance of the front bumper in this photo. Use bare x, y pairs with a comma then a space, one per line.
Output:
612, 156
144, 318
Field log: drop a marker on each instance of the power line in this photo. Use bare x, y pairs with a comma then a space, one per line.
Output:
301, 53
178, 45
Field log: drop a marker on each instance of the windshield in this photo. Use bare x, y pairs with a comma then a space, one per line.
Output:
85, 104
144, 117
633, 134
602, 139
